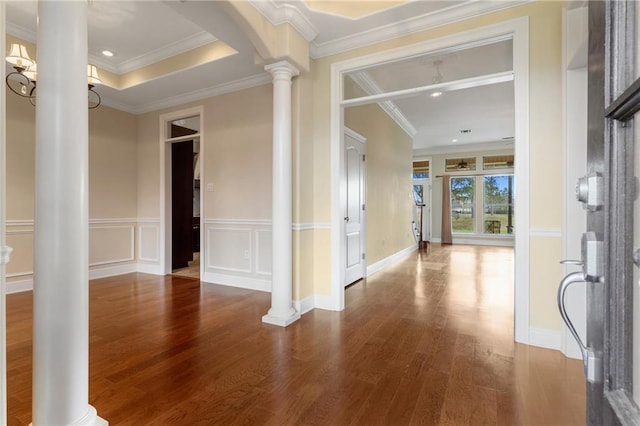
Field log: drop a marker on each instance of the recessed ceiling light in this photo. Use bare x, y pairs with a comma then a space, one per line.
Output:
107, 53
454, 140
436, 94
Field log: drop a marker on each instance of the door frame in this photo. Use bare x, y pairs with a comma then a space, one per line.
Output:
363, 223
165, 185
429, 181
516, 29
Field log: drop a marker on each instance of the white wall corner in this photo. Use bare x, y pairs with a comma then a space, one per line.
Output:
545, 338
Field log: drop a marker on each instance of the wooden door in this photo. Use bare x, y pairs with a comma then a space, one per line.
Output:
181, 204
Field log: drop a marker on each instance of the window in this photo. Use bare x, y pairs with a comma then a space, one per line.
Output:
421, 169
493, 196
497, 162
460, 164
463, 204
498, 204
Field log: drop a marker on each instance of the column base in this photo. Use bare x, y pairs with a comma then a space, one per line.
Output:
90, 418
281, 320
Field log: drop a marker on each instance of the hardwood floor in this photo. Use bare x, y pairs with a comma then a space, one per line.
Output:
426, 341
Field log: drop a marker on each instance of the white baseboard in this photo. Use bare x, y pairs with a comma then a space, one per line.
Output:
149, 268
500, 242
237, 281
304, 305
544, 338
19, 286
111, 271
315, 301
372, 269
94, 273
569, 346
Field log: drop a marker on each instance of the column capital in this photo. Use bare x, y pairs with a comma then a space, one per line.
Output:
282, 69
5, 254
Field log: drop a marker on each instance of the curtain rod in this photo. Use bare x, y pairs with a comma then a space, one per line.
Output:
478, 174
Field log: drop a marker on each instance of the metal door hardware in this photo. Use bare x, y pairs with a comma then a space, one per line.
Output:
590, 191
592, 361
592, 257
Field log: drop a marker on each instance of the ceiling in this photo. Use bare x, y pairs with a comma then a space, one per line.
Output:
152, 41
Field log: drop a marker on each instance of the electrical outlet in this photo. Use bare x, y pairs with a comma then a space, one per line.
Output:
209, 187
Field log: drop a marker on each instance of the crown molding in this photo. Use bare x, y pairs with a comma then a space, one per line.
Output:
220, 89
408, 26
21, 32
164, 52
285, 13
366, 83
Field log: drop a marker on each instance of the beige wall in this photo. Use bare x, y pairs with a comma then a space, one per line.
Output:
437, 169
237, 149
389, 160
545, 136
112, 189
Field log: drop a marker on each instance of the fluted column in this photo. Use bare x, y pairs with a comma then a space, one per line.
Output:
61, 256
282, 312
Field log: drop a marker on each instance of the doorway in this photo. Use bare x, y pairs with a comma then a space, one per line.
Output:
421, 187
181, 199
355, 210
516, 31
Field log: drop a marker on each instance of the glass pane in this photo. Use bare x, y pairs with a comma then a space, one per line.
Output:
421, 169
418, 195
460, 164
431, 68
498, 204
185, 127
463, 194
497, 162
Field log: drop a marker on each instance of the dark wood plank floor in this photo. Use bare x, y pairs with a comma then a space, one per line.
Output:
426, 341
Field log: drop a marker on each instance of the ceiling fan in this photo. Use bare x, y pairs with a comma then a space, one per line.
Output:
462, 164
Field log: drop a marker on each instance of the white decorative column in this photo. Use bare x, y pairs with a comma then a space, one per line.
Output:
282, 312
5, 252
61, 255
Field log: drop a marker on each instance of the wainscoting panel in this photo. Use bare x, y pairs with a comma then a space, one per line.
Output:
238, 253
149, 242
111, 244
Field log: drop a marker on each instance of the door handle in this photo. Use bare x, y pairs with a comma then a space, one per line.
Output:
346, 218
592, 363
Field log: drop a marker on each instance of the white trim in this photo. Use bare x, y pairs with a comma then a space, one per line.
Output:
94, 274
485, 241
323, 301
19, 274
544, 338
203, 93
237, 281
25, 222
545, 232
357, 136
366, 83
311, 226
19, 286
390, 260
111, 271
132, 235
415, 24
468, 147
305, 305
164, 52
148, 268
20, 32
516, 29
165, 185
253, 222
284, 13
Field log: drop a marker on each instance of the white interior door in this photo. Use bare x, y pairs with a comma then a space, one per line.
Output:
354, 216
